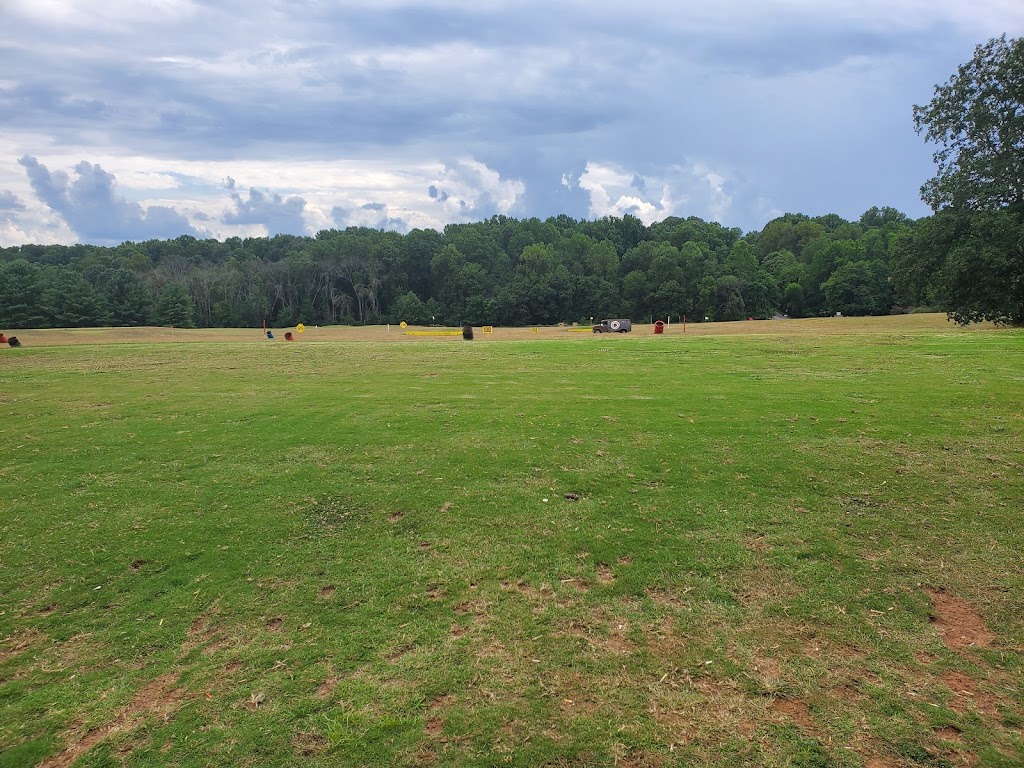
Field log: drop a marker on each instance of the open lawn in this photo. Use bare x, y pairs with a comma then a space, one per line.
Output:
792, 543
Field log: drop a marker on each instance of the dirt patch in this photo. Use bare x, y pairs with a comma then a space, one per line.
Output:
433, 727
757, 544
327, 591
275, 624
966, 694
625, 560
158, 698
394, 517
201, 631
957, 621
796, 710
668, 598
436, 592
326, 688
949, 733
605, 575
440, 702
578, 584
137, 564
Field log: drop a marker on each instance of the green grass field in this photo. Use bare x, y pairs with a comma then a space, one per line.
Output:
779, 550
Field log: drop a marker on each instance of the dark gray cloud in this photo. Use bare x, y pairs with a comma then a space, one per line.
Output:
10, 201
796, 105
267, 209
91, 207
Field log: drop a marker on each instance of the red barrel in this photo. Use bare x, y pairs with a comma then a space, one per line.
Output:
659, 327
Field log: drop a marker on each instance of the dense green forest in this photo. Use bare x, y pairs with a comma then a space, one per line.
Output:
502, 271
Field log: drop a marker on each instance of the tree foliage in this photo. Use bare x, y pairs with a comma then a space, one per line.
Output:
969, 257
501, 271
977, 118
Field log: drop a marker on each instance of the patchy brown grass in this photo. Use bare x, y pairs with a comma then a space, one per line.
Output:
960, 625
160, 698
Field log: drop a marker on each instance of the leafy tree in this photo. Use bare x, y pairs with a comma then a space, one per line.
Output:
976, 258
793, 300
174, 307
410, 309
127, 297
20, 294
69, 301
977, 118
856, 288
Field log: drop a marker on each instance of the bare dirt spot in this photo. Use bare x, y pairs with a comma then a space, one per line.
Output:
136, 564
757, 544
436, 592
394, 517
470, 608
446, 506
159, 697
605, 575
881, 761
275, 624
424, 545
625, 560
521, 587
668, 598
966, 694
396, 655
796, 710
949, 733
326, 688
201, 631
327, 591
957, 621
433, 727
578, 584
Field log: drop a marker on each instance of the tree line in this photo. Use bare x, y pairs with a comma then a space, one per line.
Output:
502, 271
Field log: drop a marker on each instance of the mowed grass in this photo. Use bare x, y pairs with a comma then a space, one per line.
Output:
784, 549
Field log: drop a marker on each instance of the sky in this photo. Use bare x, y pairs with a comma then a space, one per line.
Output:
139, 119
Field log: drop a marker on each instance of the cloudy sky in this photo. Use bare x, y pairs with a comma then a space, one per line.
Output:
136, 119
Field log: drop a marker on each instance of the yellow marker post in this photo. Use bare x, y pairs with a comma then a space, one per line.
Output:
534, 330
300, 328
403, 325
487, 329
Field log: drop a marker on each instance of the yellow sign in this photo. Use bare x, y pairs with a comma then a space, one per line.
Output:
403, 325
300, 327
534, 330
488, 329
